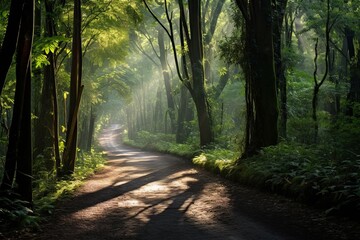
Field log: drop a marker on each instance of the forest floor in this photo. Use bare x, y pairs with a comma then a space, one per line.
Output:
147, 195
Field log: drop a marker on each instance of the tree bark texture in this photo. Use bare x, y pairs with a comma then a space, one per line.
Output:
75, 83
261, 98
48, 117
198, 79
8, 48
167, 83
184, 116
278, 18
18, 164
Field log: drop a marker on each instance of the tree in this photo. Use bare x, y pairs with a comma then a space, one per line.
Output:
354, 91
258, 67
18, 163
278, 18
167, 83
69, 154
196, 85
9, 44
48, 142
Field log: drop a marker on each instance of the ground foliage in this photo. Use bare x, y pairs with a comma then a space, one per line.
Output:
325, 175
47, 189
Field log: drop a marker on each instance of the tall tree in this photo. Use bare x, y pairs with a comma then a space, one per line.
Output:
69, 155
167, 83
196, 85
10, 40
198, 90
354, 91
209, 30
279, 8
18, 164
258, 67
318, 84
48, 142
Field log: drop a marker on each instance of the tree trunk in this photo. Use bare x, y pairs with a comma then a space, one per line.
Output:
166, 75
209, 35
19, 154
354, 91
196, 59
182, 131
47, 145
91, 130
10, 40
158, 112
75, 83
261, 99
279, 13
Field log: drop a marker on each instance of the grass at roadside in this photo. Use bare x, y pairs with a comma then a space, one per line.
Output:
318, 175
47, 190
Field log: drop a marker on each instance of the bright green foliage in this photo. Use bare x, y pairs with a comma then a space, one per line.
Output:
163, 143
217, 160
43, 46
326, 175
48, 190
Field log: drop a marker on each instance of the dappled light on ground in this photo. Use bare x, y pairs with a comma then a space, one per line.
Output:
142, 195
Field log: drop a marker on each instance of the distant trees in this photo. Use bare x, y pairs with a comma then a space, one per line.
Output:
192, 32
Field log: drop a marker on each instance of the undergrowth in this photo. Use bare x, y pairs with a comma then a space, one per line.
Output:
47, 189
163, 143
326, 175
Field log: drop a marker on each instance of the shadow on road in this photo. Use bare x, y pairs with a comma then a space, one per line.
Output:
145, 195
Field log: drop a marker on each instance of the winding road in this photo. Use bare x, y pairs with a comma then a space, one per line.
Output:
146, 195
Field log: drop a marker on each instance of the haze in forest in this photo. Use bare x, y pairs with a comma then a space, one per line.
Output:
262, 92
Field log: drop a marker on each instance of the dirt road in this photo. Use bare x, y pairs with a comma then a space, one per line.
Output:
145, 195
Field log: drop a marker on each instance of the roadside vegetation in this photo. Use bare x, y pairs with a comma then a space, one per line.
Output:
47, 191
265, 94
325, 175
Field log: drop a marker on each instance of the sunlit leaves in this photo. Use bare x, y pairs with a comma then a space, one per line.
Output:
44, 46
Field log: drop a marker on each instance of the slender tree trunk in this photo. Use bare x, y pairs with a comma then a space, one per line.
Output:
75, 83
279, 13
318, 84
215, 13
354, 91
158, 123
10, 40
47, 144
166, 75
182, 131
50, 29
37, 82
91, 130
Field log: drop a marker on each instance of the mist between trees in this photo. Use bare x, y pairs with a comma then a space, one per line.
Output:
246, 77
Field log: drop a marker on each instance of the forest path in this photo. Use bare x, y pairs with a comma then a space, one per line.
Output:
146, 195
